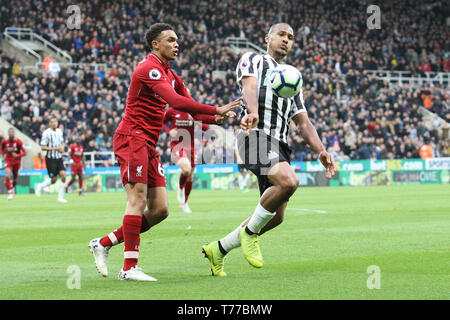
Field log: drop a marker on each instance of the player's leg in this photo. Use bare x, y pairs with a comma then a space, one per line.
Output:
72, 180
80, 184
132, 223
62, 186
186, 169
187, 190
283, 182
8, 183
277, 219
52, 176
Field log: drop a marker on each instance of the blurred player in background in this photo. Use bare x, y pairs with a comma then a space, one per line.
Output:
153, 85
12, 152
181, 132
262, 145
244, 174
76, 152
52, 143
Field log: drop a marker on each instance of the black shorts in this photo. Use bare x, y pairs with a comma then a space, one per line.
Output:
54, 166
260, 153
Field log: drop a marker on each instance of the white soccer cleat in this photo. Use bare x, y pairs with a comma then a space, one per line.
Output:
180, 195
186, 208
135, 274
100, 256
38, 190
62, 200
10, 194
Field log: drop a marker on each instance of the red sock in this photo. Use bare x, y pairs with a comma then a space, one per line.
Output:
80, 182
187, 189
182, 182
131, 229
14, 182
8, 183
116, 236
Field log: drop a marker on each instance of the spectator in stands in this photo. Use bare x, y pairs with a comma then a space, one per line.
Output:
39, 161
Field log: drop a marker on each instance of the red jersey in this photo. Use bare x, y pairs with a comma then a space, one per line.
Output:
183, 120
76, 153
154, 85
10, 146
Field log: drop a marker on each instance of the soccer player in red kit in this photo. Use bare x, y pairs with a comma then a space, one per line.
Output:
12, 152
153, 85
181, 131
76, 151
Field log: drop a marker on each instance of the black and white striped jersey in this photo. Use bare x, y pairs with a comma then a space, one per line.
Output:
52, 139
274, 112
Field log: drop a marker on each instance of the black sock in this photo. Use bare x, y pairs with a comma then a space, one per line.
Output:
249, 231
224, 252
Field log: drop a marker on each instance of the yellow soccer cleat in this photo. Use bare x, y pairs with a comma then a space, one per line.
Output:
215, 257
250, 248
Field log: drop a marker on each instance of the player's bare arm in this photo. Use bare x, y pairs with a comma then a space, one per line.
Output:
311, 137
249, 94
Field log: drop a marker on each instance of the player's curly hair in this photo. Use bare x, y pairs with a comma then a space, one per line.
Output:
154, 32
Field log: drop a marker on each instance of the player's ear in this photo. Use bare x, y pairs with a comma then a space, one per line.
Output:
155, 45
267, 38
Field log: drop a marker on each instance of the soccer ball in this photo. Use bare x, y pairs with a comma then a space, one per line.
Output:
285, 81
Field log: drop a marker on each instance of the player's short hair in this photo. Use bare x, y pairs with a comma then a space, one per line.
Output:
155, 31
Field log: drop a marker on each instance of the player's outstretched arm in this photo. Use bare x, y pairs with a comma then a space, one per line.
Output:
311, 137
177, 101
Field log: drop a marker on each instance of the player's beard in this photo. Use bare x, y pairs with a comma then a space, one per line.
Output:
279, 54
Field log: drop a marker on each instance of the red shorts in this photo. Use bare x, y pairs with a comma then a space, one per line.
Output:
76, 168
178, 152
14, 167
139, 162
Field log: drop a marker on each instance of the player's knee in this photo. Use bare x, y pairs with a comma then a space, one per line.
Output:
138, 200
163, 212
290, 184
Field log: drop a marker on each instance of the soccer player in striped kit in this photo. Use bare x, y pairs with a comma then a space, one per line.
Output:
52, 143
262, 145
12, 151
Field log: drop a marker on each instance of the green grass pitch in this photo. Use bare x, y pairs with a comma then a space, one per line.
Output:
323, 249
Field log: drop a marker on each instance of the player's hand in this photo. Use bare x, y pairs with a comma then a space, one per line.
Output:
60, 149
223, 119
249, 121
14, 154
328, 162
222, 111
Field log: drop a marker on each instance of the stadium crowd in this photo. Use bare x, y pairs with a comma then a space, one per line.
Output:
357, 116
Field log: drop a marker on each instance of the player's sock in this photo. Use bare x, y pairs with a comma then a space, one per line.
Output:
230, 241
187, 189
14, 182
80, 183
182, 181
46, 183
241, 182
247, 177
70, 182
131, 230
258, 220
116, 236
62, 189
8, 183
